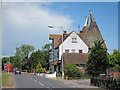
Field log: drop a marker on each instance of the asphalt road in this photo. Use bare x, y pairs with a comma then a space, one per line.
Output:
32, 81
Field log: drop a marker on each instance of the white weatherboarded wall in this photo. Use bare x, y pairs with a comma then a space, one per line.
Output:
67, 44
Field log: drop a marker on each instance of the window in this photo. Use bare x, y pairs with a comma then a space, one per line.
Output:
66, 50
73, 50
74, 40
80, 51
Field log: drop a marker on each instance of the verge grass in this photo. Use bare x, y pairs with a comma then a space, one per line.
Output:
7, 79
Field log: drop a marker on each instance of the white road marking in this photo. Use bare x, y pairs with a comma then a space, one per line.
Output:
41, 84
35, 80
49, 88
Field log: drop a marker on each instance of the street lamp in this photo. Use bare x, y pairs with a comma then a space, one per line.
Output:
51, 26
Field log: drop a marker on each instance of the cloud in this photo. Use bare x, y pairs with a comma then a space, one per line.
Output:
27, 23
34, 16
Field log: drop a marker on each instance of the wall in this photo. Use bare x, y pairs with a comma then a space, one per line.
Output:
67, 44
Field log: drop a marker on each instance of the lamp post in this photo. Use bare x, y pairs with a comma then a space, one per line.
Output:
50, 26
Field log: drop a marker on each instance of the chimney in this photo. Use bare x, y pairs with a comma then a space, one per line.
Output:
64, 34
81, 31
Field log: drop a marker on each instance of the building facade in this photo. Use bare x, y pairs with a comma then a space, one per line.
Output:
74, 47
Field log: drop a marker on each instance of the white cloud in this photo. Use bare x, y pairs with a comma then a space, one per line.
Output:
29, 15
27, 23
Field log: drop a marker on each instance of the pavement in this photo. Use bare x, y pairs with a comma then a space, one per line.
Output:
80, 83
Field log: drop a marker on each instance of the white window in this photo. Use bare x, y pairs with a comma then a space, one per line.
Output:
66, 50
74, 40
73, 50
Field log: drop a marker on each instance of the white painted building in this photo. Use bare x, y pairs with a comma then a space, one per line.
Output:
74, 47
72, 44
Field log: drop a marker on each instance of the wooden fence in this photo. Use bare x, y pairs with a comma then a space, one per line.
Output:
106, 83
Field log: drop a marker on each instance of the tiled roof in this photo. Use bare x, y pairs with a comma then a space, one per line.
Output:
75, 58
57, 39
88, 34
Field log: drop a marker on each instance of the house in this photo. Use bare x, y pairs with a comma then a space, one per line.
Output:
74, 47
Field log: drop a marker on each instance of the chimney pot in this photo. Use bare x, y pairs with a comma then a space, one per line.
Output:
81, 31
65, 32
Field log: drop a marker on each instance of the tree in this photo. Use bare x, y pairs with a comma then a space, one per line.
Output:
72, 71
15, 62
4, 61
22, 54
46, 47
39, 68
115, 58
98, 60
41, 56
38, 57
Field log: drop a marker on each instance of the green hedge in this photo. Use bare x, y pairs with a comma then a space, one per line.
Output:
72, 71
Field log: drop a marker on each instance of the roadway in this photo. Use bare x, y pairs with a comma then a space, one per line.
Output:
32, 81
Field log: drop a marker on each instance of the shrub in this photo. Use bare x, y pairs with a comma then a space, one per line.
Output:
59, 74
72, 71
39, 68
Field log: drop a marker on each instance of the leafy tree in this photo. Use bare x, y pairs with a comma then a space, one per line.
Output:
115, 58
38, 57
98, 60
46, 50
46, 47
15, 62
22, 54
4, 61
41, 56
24, 50
72, 71
39, 68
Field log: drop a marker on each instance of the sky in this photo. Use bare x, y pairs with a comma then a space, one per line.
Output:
27, 22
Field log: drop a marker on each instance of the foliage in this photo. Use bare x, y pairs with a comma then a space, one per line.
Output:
22, 54
115, 58
46, 47
24, 50
41, 56
4, 61
59, 74
15, 62
38, 56
98, 60
71, 70
85, 76
39, 68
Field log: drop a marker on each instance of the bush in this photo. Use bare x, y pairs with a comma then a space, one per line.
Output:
59, 74
39, 68
48, 72
72, 71
85, 76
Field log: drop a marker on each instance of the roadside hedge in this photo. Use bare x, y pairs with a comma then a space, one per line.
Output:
72, 71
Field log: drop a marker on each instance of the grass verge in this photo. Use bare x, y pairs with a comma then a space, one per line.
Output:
7, 79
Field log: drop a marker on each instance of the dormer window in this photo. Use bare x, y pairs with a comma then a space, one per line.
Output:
74, 40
